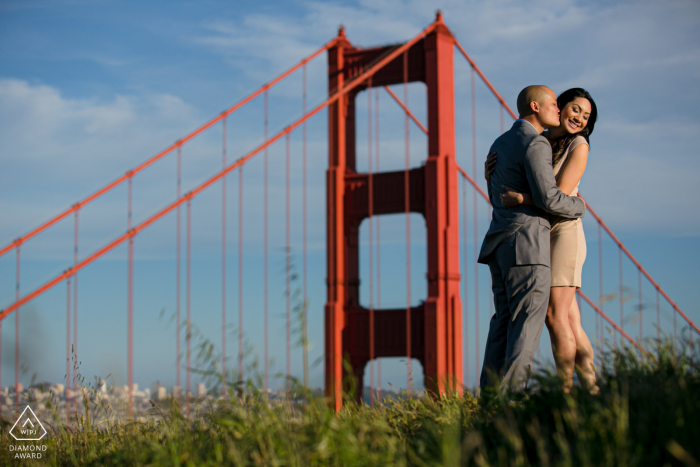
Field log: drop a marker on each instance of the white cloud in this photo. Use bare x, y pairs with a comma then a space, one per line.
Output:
57, 150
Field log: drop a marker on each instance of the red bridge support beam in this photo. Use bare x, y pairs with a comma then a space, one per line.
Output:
436, 339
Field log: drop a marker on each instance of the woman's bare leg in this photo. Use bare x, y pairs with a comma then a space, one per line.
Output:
584, 350
560, 333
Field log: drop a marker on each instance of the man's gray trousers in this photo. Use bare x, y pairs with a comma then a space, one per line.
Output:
521, 294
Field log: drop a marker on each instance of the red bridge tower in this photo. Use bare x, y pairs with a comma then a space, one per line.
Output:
434, 333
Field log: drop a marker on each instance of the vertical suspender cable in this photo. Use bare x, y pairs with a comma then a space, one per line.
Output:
408, 228
17, 334
658, 318
464, 282
178, 330
622, 322
130, 306
223, 262
68, 281
640, 306
476, 226
370, 207
692, 347
305, 337
599, 321
265, 248
288, 262
240, 274
379, 275
675, 336
75, 296
188, 299
1, 399
17, 273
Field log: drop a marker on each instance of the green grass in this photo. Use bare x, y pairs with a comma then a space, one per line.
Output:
647, 413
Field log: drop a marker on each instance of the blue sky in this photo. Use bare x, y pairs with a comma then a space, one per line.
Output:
88, 89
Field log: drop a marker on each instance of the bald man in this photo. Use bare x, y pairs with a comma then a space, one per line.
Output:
516, 246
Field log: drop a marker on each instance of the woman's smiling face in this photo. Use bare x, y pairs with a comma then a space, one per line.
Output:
574, 116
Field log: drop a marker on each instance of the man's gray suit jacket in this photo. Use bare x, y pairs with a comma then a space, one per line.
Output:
525, 164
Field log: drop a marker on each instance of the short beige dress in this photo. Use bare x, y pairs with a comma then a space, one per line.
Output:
567, 242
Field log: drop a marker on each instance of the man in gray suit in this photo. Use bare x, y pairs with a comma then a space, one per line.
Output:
516, 247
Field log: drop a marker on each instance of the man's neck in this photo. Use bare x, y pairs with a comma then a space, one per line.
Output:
532, 119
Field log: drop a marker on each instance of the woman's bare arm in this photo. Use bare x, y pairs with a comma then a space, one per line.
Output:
573, 169
512, 198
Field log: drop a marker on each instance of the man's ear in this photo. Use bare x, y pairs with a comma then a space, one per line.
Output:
535, 106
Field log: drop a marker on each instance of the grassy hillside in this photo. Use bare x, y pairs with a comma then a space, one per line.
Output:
647, 413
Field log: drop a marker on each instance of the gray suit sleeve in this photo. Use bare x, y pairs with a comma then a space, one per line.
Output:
545, 193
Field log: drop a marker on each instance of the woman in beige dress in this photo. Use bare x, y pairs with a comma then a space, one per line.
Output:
570, 143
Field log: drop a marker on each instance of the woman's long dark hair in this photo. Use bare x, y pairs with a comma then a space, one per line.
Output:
560, 145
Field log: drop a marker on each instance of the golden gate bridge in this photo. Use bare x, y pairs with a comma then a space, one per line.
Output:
433, 332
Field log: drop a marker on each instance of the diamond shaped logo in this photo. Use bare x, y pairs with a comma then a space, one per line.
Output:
28, 427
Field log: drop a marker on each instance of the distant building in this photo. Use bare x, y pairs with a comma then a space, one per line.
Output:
158, 391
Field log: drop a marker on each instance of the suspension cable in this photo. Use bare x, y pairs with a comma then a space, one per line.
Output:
265, 241
223, 263
288, 262
465, 283
612, 323
639, 276
188, 293
130, 307
305, 335
379, 274
476, 224
622, 322
639, 266
406, 110
601, 325
240, 274
75, 296
407, 206
178, 324
370, 210
167, 150
206, 184
68, 359
504, 104
17, 276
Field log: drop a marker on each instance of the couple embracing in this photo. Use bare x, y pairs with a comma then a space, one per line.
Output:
535, 246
